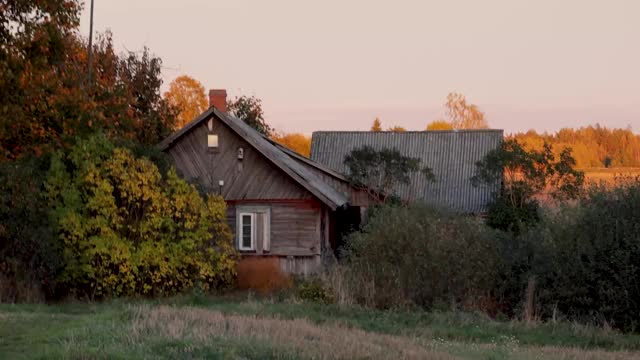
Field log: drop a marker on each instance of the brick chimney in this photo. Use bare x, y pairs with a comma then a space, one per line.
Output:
218, 99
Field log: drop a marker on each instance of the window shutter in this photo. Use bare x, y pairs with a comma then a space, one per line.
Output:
259, 232
265, 231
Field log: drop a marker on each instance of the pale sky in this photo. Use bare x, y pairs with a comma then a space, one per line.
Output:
337, 64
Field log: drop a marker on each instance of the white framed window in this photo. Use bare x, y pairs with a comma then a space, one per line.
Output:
246, 231
253, 228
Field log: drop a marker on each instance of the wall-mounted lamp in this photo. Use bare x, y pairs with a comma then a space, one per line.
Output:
240, 153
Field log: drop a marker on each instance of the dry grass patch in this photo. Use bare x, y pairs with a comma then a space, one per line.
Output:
298, 336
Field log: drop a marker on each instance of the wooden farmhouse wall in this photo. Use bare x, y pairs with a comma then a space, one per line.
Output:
253, 177
299, 222
296, 226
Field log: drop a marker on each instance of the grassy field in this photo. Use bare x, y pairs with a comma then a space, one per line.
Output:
247, 328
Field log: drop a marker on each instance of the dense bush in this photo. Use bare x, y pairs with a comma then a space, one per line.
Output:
420, 256
124, 229
29, 253
502, 215
580, 262
585, 258
314, 290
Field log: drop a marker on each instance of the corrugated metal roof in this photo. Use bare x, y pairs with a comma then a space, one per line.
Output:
282, 159
451, 155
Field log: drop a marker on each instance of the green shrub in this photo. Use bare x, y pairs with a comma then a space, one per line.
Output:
314, 290
586, 258
421, 256
127, 230
30, 256
502, 215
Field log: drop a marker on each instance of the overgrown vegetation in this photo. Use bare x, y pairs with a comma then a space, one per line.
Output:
110, 224
578, 263
419, 256
575, 258
526, 176
80, 215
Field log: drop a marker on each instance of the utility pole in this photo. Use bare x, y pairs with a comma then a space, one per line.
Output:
90, 58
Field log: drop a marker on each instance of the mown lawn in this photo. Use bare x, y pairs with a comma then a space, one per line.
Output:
200, 327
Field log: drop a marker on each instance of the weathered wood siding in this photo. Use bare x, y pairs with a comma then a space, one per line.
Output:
295, 228
253, 177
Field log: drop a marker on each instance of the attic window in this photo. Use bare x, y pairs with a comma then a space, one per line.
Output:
212, 141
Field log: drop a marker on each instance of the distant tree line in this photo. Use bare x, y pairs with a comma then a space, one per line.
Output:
593, 146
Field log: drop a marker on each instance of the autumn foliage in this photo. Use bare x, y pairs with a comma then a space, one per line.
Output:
46, 96
439, 125
593, 146
187, 95
297, 142
126, 229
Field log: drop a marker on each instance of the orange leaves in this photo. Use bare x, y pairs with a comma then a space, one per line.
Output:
188, 96
297, 142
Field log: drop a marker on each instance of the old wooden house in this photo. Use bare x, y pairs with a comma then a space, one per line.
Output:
279, 204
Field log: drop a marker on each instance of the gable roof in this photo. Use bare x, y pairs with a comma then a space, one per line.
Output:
451, 155
280, 156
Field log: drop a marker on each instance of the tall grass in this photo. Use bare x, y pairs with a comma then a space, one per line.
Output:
417, 256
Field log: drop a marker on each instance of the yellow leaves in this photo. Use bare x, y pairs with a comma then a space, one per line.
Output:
377, 125
129, 231
439, 125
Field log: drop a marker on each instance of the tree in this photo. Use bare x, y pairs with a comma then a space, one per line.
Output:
35, 39
297, 142
397, 129
439, 125
153, 116
377, 125
524, 177
463, 115
249, 110
379, 172
46, 104
188, 96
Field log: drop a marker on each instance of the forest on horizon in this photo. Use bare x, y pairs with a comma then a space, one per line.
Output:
593, 146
